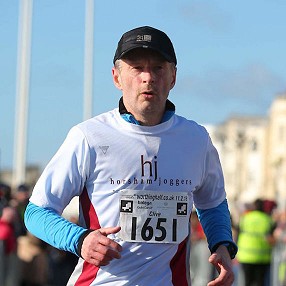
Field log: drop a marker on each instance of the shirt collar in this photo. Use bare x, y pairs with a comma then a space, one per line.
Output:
126, 115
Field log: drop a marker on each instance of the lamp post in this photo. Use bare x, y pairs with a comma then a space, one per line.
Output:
22, 91
88, 59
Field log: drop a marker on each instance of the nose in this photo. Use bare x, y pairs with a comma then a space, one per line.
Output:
148, 76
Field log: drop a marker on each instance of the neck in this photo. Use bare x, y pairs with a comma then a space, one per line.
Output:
147, 120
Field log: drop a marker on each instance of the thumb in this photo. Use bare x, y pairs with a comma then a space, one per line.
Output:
109, 230
215, 260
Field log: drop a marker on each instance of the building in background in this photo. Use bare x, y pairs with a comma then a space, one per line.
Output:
276, 151
253, 156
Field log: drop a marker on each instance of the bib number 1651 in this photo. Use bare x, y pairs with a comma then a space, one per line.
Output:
158, 232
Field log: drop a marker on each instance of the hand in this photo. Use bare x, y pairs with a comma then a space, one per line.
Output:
222, 262
98, 249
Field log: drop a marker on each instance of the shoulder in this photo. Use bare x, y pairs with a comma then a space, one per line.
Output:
105, 119
91, 130
192, 130
191, 125
93, 125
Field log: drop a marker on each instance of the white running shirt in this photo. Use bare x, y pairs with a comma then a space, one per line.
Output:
143, 178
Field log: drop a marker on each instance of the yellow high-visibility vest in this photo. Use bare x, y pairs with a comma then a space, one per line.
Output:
253, 247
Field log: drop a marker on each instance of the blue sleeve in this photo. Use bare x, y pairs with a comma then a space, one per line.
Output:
50, 227
216, 224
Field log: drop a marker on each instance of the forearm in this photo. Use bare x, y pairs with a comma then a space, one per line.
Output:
50, 227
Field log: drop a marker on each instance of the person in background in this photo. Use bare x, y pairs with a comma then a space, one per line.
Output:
7, 233
3, 201
20, 201
255, 242
5, 196
137, 170
8, 245
8, 240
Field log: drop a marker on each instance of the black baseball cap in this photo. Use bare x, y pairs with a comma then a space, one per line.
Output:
148, 38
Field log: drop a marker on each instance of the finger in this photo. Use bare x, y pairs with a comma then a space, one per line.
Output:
213, 259
99, 249
98, 261
226, 276
104, 256
107, 251
109, 230
100, 255
223, 281
106, 241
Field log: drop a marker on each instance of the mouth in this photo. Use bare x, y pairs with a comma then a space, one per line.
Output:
148, 94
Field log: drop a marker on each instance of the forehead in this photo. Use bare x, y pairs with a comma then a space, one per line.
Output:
143, 54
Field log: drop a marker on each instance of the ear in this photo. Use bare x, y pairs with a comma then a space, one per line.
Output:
174, 76
116, 78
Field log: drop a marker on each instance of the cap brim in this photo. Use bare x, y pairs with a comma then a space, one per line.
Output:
165, 56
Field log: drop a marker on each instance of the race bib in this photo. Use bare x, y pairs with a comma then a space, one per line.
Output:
152, 216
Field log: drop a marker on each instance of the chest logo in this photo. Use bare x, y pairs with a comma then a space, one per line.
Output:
104, 149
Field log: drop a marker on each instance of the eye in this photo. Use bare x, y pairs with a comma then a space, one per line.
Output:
158, 68
137, 68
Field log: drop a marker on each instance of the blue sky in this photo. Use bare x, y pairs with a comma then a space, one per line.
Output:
231, 60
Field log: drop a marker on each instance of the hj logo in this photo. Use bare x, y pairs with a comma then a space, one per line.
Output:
153, 168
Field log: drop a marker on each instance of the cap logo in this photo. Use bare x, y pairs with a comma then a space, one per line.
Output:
145, 38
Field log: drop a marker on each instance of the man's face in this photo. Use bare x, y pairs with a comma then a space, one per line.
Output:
145, 79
